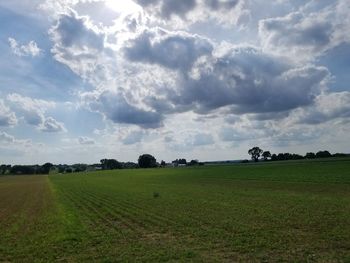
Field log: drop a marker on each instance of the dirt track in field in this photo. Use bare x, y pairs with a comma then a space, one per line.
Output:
23, 202
23, 196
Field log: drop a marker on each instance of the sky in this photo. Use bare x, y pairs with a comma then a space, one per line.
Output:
82, 80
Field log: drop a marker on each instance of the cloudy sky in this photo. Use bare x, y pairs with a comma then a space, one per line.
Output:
82, 80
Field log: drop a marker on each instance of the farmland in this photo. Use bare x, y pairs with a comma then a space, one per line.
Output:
283, 211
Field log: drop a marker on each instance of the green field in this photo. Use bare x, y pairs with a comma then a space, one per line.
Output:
274, 212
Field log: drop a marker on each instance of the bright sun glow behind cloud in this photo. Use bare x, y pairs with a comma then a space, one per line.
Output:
123, 6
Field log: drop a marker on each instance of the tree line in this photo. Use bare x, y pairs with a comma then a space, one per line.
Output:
149, 161
25, 169
256, 153
144, 161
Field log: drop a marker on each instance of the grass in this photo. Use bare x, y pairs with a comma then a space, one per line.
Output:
25, 206
275, 212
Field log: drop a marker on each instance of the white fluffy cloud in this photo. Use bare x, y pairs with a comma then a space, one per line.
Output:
13, 149
241, 79
163, 69
328, 106
30, 49
7, 117
173, 50
51, 125
33, 112
83, 140
307, 33
80, 46
133, 137
188, 141
8, 140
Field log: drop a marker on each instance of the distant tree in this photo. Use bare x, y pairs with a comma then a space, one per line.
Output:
194, 162
179, 161
130, 165
288, 156
255, 152
147, 161
22, 169
80, 167
110, 164
182, 161
45, 168
103, 164
61, 169
162, 163
4, 168
323, 154
266, 155
340, 155
114, 164
274, 157
280, 157
297, 156
310, 155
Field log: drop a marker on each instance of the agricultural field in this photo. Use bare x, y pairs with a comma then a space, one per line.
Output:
265, 212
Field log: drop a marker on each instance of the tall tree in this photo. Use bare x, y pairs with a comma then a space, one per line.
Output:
4, 168
110, 164
323, 154
45, 168
147, 161
266, 155
255, 152
310, 155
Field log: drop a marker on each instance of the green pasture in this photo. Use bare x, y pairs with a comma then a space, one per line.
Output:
265, 212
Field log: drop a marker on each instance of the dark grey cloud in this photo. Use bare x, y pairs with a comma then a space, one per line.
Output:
220, 4
161, 105
167, 8
71, 31
116, 108
172, 50
249, 81
147, 2
178, 7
